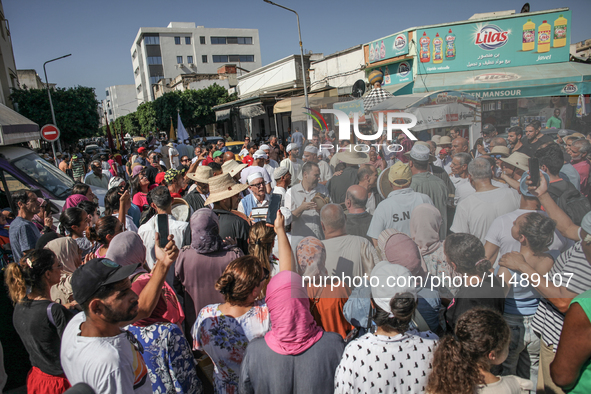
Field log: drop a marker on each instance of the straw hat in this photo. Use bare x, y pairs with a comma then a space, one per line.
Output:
445, 140
181, 210
518, 159
233, 168
500, 150
201, 174
420, 152
436, 138
222, 187
354, 157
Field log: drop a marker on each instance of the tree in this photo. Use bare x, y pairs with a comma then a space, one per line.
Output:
75, 110
146, 117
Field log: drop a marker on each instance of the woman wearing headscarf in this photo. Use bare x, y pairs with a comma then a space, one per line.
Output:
199, 266
425, 221
296, 356
167, 353
326, 301
80, 192
69, 255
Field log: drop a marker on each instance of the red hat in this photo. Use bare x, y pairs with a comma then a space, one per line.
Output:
160, 177
141, 149
443, 151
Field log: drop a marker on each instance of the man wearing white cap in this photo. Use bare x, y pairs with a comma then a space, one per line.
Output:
292, 163
282, 178
258, 163
257, 197
311, 155
270, 164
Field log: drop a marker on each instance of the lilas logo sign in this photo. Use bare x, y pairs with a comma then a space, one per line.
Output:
344, 125
491, 37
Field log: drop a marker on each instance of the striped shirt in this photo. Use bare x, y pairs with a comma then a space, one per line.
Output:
548, 320
78, 168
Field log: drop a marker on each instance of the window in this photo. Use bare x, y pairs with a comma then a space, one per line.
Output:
188, 40
154, 60
241, 58
139, 87
137, 71
245, 40
218, 40
107, 92
220, 58
179, 59
177, 41
203, 58
110, 112
134, 54
202, 40
232, 40
152, 40
190, 59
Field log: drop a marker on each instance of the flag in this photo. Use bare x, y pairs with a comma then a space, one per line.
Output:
110, 137
181, 132
172, 135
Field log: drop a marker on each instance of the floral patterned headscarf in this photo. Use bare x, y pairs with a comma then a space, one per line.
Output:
311, 257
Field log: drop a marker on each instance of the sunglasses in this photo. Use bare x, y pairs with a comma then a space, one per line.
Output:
258, 184
496, 156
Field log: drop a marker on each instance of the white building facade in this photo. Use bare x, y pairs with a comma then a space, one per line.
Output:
183, 48
120, 100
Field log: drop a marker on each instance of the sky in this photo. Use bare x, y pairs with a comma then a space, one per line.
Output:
99, 34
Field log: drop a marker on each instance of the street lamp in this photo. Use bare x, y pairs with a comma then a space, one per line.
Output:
59, 145
301, 49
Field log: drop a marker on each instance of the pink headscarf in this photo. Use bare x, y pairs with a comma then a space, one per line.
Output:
74, 200
293, 328
425, 221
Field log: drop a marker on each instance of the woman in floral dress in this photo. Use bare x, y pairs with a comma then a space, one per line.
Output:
223, 331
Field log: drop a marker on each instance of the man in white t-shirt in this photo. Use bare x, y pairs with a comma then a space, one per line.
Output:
173, 154
311, 155
94, 348
475, 214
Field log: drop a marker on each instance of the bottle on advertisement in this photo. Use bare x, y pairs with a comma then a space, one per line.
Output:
437, 49
382, 51
450, 46
529, 36
387, 79
425, 52
544, 37
372, 54
560, 26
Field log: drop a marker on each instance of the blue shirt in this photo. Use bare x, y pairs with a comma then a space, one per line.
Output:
23, 236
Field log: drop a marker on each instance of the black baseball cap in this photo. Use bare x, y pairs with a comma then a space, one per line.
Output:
488, 128
88, 278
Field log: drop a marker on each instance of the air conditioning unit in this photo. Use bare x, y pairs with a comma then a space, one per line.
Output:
192, 65
181, 65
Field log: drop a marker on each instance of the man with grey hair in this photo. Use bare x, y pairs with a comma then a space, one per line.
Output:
579, 151
348, 255
358, 219
96, 177
475, 213
497, 141
459, 176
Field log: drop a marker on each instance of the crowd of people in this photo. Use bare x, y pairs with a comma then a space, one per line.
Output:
439, 269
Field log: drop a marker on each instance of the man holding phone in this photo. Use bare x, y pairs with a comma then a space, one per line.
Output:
258, 198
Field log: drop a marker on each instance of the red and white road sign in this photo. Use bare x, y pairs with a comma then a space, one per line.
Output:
50, 133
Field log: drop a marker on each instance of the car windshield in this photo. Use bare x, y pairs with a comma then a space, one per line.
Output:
46, 175
234, 148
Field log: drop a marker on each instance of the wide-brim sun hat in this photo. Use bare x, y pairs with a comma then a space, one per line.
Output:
181, 210
445, 140
354, 157
201, 174
222, 187
233, 168
500, 150
517, 159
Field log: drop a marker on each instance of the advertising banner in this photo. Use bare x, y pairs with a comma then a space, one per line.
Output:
395, 73
389, 47
518, 41
350, 108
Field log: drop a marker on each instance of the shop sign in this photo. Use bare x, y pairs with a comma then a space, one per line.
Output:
350, 108
510, 42
495, 77
389, 47
395, 73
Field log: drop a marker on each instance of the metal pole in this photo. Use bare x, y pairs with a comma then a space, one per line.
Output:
301, 49
54, 157
49, 94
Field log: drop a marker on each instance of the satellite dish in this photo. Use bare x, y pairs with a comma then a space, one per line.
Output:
358, 88
525, 8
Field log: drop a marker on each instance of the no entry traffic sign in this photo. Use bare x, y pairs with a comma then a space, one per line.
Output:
50, 133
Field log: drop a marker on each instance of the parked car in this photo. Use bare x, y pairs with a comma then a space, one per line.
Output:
235, 147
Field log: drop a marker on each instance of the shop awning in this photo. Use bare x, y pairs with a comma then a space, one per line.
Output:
558, 79
16, 128
399, 88
252, 111
222, 114
299, 101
